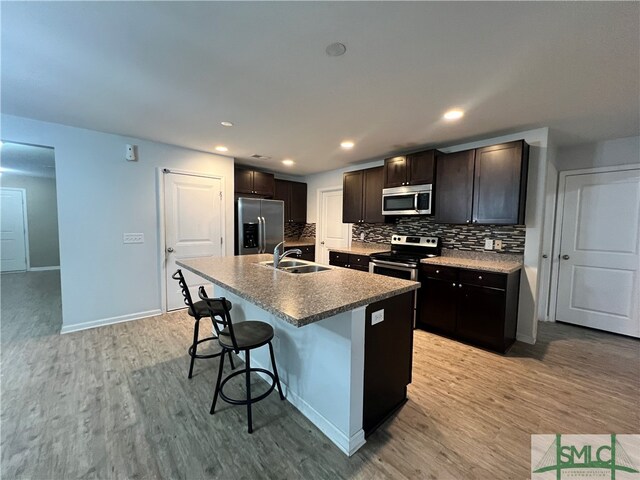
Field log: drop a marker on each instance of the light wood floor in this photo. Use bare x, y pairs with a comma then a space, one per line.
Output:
114, 402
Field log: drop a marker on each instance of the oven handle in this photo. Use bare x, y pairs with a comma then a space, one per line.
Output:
394, 264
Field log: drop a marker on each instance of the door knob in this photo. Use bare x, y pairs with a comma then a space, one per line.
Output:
321, 243
544, 255
170, 250
565, 257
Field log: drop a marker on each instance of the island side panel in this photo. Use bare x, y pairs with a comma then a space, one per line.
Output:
321, 368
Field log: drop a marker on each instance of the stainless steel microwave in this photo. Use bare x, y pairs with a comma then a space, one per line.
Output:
411, 200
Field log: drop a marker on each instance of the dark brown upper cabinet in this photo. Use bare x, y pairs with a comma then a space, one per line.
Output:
454, 187
500, 184
254, 182
294, 196
414, 169
362, 196
483, 186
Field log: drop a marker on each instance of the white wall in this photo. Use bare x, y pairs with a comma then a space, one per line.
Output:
101, 196
619, 151
534, 218
42, 217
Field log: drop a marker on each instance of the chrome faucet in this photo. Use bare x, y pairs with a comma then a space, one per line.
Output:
277, 258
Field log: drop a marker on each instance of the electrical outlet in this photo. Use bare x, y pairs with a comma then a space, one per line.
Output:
133, 238
497, 244
377, 317
488, 244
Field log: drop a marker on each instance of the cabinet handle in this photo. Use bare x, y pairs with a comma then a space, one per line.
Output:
467, 221
454, 284
475, 221
460, 285
437, 271
479, 277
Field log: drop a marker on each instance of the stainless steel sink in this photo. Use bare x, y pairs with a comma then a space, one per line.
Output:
297, 266
288, 263
306, 269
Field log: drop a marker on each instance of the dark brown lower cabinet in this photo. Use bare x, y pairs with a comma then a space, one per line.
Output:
349, 260
308, 252
388, 357
475, 306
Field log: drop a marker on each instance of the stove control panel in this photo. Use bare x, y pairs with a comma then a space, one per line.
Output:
413, 240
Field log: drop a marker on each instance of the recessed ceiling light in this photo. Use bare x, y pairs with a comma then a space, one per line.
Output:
347, 144
222, 148
453, 114
226, 124
288, 162
336, 49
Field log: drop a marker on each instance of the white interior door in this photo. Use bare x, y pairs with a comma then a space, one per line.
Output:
13, 244
193, 228
599, 262
332, 232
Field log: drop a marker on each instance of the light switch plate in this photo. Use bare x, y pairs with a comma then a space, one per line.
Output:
488, 244
497, 244
377, 317
133, 238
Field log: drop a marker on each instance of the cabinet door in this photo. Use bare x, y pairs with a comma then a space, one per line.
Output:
298, 202
420, 167
437, 305
395, 172
481, 316
263, 183
282, 191
497, 184
454, 187
373, 178
352, 197
243, 181
338, 259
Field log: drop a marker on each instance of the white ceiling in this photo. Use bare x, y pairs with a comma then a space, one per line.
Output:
172, 71
27, 160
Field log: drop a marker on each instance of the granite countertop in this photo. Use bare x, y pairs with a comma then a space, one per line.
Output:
300, 242
361, 248
488, 262
299, 299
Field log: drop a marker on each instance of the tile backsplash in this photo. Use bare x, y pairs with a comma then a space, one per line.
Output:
299, 230
461, 237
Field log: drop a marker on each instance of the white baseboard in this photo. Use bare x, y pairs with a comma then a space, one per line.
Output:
525, 338
109, 321
43, 269
348, 445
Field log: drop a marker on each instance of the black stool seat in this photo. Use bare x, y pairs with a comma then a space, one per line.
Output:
250, 334
201, 309
241, 337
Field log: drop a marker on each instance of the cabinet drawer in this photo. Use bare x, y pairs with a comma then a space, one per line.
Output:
359, 260
442, 273
483, 279
337, 258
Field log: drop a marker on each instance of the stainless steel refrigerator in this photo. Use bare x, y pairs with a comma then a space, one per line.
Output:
259, 225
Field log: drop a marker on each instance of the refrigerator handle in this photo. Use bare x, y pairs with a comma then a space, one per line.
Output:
260, 242
264, 235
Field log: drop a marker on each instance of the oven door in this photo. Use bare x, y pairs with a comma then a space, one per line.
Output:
393, 269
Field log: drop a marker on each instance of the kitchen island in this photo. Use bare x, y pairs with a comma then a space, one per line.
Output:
343, 338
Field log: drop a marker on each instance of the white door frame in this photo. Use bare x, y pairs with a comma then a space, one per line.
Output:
557, 235
25, 217
162, 244
319, 193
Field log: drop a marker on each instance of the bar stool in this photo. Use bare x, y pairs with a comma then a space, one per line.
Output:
198, 310
243, 336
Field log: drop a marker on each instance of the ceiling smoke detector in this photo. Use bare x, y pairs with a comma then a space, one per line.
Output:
336, 49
